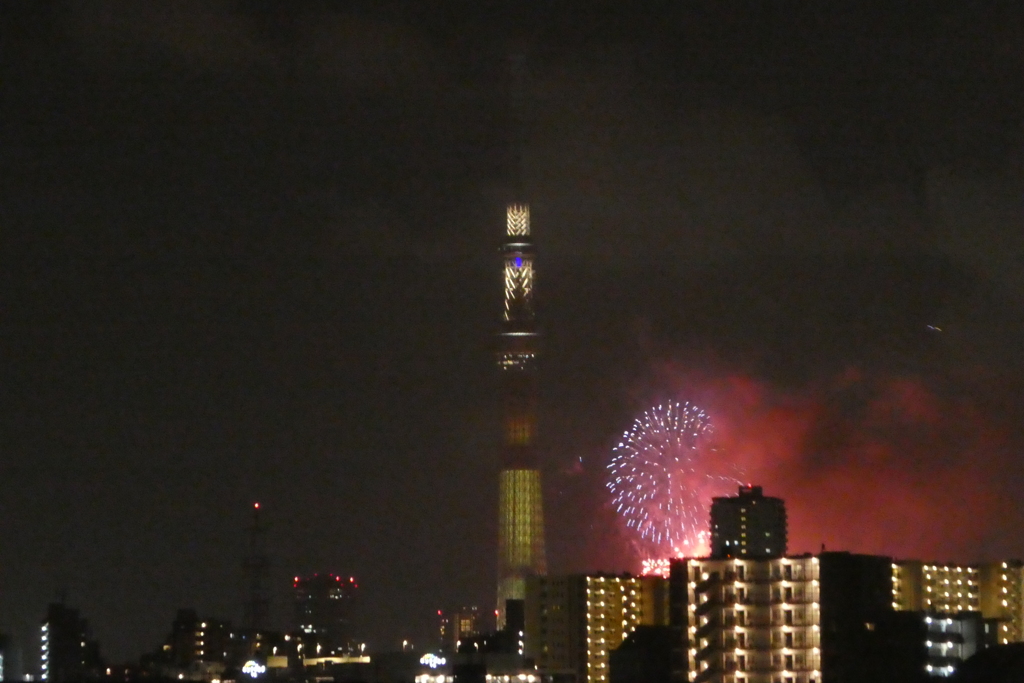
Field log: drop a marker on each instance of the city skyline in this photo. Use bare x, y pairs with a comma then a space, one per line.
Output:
249, 254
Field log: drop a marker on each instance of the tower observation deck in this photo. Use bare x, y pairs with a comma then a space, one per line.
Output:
520, 504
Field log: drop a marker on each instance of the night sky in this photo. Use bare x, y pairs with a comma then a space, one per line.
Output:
249, 252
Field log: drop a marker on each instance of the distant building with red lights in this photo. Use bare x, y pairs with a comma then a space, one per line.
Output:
748, 525
323, 614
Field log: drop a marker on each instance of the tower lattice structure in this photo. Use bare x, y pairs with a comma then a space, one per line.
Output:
521, 510
256, 566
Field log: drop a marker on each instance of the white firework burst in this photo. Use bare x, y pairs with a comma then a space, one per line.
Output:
662, 476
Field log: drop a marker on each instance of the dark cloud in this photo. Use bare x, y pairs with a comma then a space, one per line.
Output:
200, 35
305, 46
870, 463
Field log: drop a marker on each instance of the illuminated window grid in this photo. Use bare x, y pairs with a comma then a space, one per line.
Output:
994, 589
951, 588
738, 623
614, 608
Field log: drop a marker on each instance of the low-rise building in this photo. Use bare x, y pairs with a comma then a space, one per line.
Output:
573, 622
995, 589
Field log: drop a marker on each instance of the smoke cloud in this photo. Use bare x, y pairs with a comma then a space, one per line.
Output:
875, 463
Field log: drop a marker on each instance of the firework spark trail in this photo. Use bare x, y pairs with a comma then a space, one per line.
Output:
662, 476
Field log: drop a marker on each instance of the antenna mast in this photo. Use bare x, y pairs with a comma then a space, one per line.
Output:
255, 565
516, 99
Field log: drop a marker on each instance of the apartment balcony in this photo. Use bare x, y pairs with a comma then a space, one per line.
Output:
707, 674
708, 583
806, 601
707, 628
706, 652
707, 606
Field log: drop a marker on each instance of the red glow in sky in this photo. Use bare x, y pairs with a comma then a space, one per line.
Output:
884, 465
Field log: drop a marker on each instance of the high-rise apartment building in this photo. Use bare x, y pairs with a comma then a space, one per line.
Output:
805, 619
68, 652
574, 622
748, 525
323, 611
748, 621
995, 589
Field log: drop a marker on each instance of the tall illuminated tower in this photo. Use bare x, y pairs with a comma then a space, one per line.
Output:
521, 510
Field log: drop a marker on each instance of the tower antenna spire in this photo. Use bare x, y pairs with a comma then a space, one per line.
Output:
517, 112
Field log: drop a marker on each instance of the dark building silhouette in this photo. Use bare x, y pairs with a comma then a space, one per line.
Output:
256, 566
953, 638
748, 524
515, 622
497, 655
68, 652
323, 614
856, 591
998, 664
507, 641
457, 625
6, 670
194, 639
896, 643
645, 656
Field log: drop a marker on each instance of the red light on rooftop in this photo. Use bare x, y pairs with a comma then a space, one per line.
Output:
256, 506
